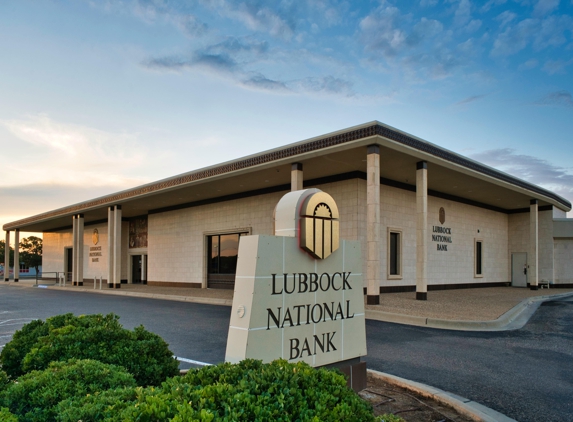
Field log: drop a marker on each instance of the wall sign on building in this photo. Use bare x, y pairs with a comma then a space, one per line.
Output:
442, 235
299, 294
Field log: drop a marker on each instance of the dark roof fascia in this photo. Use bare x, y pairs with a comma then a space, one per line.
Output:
338, 138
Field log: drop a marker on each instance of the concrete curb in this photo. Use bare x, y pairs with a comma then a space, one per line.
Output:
513, 319
466, 407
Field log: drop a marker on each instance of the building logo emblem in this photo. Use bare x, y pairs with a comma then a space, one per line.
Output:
442, 215
319, 225
95, 237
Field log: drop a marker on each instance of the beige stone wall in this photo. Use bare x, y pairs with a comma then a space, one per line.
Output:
55, 243
53, 250
519, 240
398, 211
177, 245
563, 258
456, 265
518, 235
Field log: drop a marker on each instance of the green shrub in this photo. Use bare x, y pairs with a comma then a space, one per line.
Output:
143, 354
22, 342
251, 391
34, 396
4, 381
6, 416
104, 406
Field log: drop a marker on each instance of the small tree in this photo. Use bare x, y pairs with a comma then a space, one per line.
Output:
2, 252
31, 252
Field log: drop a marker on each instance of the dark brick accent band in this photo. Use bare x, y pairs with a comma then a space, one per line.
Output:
421, 295
15, 280
434, 287
533, 202
420, 165
174, 284
373, 299
296, 166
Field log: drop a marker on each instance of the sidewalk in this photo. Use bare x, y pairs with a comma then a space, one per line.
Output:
480, 309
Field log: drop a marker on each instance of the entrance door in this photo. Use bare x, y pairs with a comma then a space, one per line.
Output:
136, 267
518, 269
69, 263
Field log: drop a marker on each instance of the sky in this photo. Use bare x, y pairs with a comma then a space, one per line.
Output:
100, 96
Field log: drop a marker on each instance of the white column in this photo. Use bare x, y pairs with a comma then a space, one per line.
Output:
296, 177
422, 230
75, 250
117, 247
533, 258
373, 225
143, 269
7, 257
110, 242
80, 244
16, 255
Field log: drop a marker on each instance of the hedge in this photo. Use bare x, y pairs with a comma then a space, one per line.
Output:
248, 391
33, 396
98, 337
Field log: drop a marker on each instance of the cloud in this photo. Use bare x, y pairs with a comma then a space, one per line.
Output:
327, 84
505, 18
381, 31
470, 99
534, 170
486, 7
235, 58
544, 7
157, 12
77, 154
529, 64
418, 49
263, 83
278, 23
423, 29
514, 39
539, 33
553, 67
558, 98
462, 14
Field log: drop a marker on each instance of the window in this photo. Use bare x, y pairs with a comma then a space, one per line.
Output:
222, 254
478, 258
394, 253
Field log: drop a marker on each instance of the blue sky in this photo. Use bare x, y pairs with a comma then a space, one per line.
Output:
98, 96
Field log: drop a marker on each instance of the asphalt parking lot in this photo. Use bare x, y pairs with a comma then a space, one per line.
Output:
526, 374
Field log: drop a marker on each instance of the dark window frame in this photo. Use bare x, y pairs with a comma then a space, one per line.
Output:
395, 253
478, 258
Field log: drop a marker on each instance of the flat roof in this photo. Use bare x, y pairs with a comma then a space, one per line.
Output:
334, 156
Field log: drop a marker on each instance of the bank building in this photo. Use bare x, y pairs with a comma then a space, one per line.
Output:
426, 219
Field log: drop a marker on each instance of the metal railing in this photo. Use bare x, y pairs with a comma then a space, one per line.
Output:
60, 278
46, 277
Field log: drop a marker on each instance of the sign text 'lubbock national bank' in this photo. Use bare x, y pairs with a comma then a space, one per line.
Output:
299, 293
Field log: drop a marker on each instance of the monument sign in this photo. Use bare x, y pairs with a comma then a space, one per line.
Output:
299, 294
